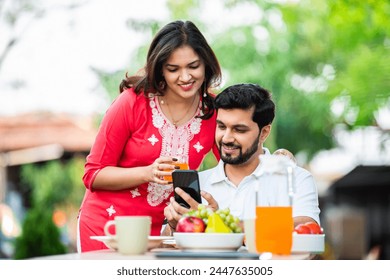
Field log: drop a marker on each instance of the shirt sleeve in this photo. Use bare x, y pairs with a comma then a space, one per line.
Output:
306, 196
112, 136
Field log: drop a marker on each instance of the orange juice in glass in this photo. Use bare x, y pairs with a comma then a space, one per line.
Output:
274, 223
274, 226
182, 163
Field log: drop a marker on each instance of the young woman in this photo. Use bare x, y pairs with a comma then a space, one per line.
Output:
164, 112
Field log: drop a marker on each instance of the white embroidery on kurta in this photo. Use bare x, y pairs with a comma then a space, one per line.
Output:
195, 125
158, 120
135, 192
158, 193
175, 142
110, 210
198, 146
153, 139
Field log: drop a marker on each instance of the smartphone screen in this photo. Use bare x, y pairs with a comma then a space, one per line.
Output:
188, 181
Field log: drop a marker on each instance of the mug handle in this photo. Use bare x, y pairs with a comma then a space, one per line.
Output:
107, 226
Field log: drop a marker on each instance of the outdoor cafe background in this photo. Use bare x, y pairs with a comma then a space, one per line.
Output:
326, 64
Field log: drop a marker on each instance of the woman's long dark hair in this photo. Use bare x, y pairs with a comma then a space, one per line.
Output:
172, 36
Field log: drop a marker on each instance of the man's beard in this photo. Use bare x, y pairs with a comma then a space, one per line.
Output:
242, 157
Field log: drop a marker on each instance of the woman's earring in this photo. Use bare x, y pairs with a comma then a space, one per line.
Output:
162, 85
205, 94
205, 91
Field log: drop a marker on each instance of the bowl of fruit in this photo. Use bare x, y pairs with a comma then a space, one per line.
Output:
204, 229
308, 237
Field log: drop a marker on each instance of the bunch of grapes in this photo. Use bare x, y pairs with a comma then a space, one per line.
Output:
203, 212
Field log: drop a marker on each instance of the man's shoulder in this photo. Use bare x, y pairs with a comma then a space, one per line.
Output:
302, 173
207, 173
301, 169
208, 177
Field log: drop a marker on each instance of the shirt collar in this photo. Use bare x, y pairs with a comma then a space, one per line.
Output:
257, 173
219, 174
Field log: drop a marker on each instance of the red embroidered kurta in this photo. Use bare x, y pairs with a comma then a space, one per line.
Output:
134, 132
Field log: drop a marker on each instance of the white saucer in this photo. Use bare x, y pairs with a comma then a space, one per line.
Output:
111, 242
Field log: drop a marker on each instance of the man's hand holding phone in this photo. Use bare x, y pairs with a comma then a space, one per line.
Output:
188, 181
174, 211
187, 191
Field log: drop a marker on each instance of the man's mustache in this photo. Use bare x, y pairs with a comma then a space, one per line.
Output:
229, 145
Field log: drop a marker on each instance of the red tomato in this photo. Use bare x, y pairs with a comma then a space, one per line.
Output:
302, 229
314, 228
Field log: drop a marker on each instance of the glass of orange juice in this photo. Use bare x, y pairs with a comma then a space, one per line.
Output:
274, 223
274, 227
182, 163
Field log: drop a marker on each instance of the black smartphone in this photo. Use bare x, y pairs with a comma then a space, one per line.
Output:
188, 181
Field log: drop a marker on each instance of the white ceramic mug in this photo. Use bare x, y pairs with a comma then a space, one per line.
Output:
132, 233
250, 238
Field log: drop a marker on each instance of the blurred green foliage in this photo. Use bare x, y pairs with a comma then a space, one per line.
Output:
52, 185
40, 236
55, 183
327, 63
311, 55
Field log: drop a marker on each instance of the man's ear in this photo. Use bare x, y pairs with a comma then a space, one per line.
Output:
265, 131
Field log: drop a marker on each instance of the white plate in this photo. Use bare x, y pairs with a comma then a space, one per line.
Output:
314, 243
111, 243
156, 241
208, 241
170, 242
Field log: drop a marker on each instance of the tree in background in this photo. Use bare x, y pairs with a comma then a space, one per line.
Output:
55, 190
327, 63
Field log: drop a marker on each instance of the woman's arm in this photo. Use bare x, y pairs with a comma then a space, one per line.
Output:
119, 178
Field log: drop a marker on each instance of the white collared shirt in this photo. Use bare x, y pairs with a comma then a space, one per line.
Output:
272, 190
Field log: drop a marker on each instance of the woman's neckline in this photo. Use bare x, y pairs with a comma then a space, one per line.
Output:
178, 123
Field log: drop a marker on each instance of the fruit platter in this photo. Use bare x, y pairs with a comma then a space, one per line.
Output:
204, 229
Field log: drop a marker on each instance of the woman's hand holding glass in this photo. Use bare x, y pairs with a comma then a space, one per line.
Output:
162, 169
180, 162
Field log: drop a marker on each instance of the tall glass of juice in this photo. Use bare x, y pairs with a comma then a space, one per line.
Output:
274, 221
274, 227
